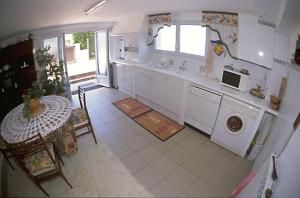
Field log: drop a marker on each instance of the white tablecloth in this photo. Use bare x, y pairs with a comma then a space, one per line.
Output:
15, 128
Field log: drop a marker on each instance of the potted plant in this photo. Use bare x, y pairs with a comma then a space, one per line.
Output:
32, 104
51, 75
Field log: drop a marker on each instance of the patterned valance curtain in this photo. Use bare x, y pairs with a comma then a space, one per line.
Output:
227, 24
157, 22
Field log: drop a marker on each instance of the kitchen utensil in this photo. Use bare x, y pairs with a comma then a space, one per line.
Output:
274, 99
268, 193
274, 102
209, 62
274, 173
282, 87
244, 71
228, 67
257, 92
297, 121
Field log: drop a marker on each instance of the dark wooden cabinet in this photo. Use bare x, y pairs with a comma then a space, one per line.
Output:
17, 73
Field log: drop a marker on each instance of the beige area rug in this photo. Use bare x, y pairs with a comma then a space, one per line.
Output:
159, 125
131, 107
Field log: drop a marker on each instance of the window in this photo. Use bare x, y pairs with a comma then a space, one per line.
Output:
192, 39
53, 43
166, 39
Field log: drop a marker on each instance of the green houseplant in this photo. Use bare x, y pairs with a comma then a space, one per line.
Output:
52, 78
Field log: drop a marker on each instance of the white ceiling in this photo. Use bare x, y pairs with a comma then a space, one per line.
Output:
290, 17
24, 15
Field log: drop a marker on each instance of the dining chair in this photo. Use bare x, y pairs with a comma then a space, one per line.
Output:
38, 159
5, 152
80, 116
65, 139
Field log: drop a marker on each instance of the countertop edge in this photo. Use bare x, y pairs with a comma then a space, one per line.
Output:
232, 93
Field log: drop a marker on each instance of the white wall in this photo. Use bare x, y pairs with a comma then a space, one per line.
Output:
289, 109
258, 75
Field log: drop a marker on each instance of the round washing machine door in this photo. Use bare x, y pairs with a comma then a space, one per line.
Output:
234, 123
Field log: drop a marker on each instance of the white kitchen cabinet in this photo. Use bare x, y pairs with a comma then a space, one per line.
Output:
158, 89
124, 78
202, 108
167, 92
161, 89
281, 47
143, 84
256, 41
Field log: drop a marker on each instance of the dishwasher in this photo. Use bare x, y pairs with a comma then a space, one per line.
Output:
202, 108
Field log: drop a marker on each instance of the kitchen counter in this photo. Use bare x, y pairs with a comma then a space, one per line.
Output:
206, 83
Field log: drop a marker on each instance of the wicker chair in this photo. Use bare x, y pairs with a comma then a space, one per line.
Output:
80, 116
38, 159
5, 152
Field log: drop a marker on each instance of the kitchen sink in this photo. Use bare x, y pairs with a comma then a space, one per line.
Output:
162, 66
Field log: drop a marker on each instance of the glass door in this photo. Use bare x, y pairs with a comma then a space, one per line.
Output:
80, 56
56, 44
102, 56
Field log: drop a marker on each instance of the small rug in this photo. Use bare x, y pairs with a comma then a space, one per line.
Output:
132, 107
87, 88
159, 125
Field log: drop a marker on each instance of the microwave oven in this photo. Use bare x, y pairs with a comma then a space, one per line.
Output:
234, 79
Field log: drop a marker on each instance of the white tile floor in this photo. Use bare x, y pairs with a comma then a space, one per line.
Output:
129, 161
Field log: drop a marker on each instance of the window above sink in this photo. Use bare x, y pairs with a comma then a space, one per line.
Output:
187, 39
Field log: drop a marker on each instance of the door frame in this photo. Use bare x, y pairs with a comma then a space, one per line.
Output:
62, 47
105, 79
61, 50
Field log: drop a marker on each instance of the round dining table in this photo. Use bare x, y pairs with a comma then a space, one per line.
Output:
16, 128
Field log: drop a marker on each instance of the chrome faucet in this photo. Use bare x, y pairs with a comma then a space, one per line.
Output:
182, 67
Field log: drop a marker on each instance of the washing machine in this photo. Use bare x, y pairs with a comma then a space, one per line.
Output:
236, 125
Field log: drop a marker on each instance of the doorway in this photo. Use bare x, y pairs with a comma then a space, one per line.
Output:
86, 57
80, 59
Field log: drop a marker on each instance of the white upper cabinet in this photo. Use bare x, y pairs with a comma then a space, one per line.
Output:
281, 48
256, 41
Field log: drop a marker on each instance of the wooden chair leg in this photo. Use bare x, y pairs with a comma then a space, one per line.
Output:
92, 131
42, 189
94, 136
66, 180
8, 161
58, 156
